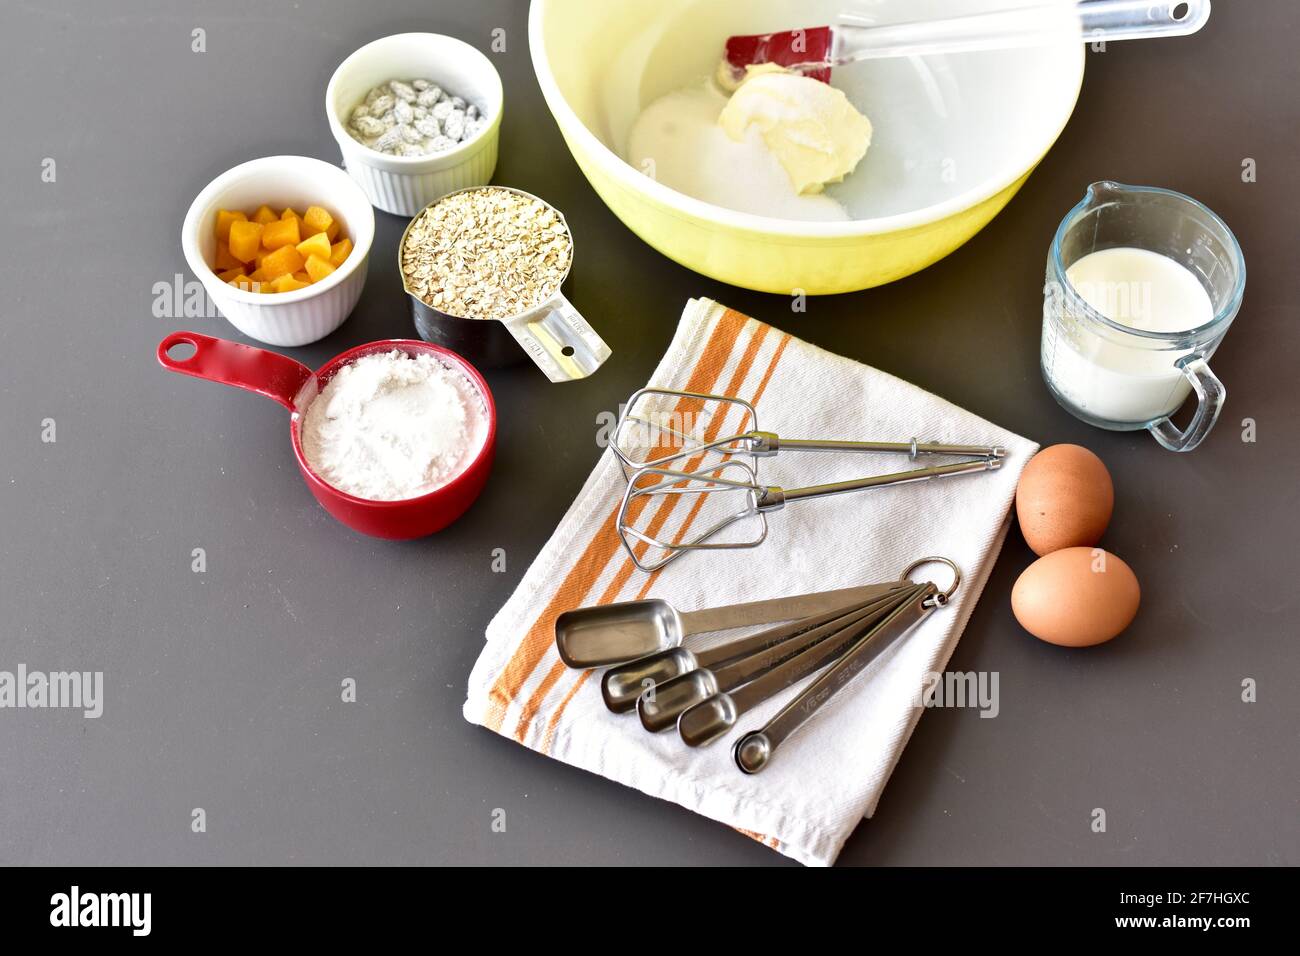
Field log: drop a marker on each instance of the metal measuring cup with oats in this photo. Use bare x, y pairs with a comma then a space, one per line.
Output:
484, 267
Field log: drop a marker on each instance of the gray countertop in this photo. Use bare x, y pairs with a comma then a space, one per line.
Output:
221, 689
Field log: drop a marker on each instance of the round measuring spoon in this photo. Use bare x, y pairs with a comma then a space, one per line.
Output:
295, 386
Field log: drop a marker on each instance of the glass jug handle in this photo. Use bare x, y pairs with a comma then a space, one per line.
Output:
1210, 395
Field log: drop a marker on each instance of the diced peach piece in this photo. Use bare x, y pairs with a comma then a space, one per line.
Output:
257, 275
245, 239
318, 268
264, 215
302, 277
317, 219
289, 213
288, 284
244, 282
224, 218
340, 251
281, 232
317, 245
282, 261
230, 274
225, 260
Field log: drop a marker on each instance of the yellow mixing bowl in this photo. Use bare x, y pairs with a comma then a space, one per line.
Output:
955, 136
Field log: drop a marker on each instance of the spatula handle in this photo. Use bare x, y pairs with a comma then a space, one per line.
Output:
1045, 22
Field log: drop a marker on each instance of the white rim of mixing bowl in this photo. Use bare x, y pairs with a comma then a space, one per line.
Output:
632, 178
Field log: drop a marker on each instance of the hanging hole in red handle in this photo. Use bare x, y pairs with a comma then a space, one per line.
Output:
182, 350
177, 349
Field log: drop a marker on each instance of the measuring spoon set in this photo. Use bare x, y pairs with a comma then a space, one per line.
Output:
704, 693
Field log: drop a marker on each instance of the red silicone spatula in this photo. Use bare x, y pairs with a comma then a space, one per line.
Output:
814, 50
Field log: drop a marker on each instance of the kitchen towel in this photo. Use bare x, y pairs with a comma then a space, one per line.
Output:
830, 775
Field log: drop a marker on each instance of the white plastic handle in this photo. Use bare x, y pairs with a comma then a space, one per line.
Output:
855, 38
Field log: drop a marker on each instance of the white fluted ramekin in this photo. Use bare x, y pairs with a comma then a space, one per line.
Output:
283, 318
404, 185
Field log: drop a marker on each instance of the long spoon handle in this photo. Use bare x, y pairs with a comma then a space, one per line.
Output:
778, 609
793, 636
807, 662
753, 750
745, 669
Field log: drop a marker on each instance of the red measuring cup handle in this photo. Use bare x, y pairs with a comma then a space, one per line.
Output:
217, 360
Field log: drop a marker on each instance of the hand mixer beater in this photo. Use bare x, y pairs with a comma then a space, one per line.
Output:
661, 428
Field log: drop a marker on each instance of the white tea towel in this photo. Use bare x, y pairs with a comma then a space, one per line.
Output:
831, 773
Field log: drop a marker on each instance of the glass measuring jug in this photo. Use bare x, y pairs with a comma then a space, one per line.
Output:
1104, 367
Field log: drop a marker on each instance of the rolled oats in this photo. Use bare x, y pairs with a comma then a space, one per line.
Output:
486, 253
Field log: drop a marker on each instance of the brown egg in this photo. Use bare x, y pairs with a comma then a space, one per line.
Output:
1076, 597
1064, 499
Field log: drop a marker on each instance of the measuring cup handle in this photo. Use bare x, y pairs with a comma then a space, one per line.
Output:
230, 363
1210, 395
560, 341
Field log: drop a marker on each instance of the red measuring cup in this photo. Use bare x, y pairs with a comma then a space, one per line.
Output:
294, 386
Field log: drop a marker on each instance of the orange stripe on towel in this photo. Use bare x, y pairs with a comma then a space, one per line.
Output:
737, 380
666, 505
600, 549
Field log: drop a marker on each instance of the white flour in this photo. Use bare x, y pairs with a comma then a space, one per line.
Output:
390, 426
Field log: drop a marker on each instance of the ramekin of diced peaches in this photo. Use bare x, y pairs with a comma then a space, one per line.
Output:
281, 245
